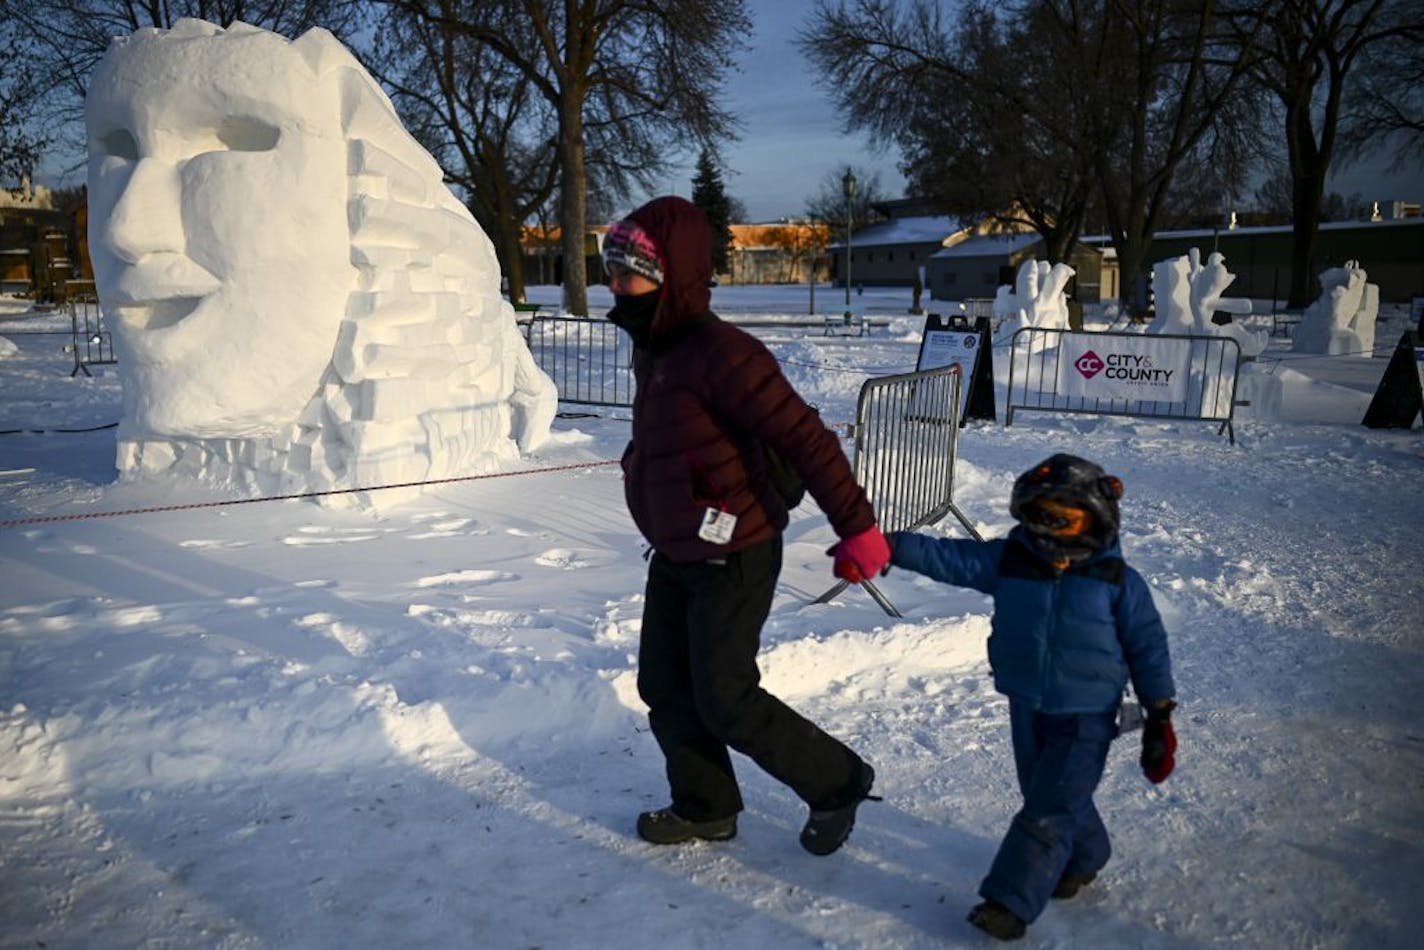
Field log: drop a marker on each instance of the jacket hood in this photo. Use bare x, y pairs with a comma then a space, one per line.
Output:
684, 240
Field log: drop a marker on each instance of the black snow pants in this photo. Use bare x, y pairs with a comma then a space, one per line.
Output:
697, 672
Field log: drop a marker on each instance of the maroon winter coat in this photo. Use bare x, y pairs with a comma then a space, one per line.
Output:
709, 395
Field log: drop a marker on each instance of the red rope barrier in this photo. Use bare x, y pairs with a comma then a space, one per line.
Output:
48, 519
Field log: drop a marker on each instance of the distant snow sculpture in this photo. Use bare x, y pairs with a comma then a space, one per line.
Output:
1187, 293
300, 302
1037, 300
1341, 321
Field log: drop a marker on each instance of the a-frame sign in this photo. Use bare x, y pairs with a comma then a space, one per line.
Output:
955, 339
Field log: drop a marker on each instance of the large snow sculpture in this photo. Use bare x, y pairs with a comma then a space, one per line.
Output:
1037, 300
1341, 321
301, 304
1187, 293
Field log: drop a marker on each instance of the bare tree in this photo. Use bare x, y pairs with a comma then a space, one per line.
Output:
799, 244
68, 37
1384, 105
23, 138
1039, 110
1308, 54
829, 204
736, 210
630, 80
1161, 82
984, 130
494, 138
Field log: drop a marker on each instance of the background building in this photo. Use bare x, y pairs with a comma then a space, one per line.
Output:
976, 265
41, 246
1391, 251
894, 252
784, 253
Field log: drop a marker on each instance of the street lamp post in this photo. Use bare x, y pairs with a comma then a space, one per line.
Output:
848, 189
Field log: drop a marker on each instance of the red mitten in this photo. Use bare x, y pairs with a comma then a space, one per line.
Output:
1159, 746
862, 556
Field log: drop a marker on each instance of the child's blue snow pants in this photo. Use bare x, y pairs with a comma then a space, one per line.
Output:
1060, 759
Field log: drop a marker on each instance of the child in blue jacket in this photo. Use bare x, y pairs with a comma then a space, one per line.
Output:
1072, 624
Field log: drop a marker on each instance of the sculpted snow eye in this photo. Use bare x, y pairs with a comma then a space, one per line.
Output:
241, 134
119, 143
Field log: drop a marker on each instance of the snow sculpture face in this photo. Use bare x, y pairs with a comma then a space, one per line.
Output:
299, 302
219, 237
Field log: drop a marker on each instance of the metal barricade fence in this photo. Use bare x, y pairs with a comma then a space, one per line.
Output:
589, 360
906, 431
976, 307
906, 439
92, 344
1213, 366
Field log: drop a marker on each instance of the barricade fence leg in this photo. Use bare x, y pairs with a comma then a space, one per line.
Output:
880, 599
832, 594
906, 431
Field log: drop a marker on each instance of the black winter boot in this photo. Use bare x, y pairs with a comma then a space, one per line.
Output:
1070, 884
666, 826
827, 829
997, 921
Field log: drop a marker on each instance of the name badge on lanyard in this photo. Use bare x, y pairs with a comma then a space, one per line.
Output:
717, 526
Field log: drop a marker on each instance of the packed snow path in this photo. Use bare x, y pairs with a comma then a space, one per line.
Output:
282, 726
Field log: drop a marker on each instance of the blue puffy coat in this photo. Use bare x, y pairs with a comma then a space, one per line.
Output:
1062, 642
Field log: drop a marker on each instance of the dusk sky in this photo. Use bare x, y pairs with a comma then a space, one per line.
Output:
792, 134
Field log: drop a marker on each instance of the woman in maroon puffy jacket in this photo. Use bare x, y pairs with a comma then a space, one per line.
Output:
709, 396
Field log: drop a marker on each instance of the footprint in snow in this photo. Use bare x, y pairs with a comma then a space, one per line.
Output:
450, 528
561, 558
355, 640
464, 577
311, 535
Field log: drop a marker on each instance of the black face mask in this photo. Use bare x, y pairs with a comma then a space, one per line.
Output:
635, 313
1060, 552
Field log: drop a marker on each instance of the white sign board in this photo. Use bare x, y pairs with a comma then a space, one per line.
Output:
941, 348
1146, 368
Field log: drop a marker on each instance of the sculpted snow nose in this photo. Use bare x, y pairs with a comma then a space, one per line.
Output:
153, 284
146, 217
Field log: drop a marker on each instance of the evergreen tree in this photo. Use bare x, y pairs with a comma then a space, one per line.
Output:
709, 194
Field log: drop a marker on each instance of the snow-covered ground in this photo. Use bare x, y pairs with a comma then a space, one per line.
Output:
279, 725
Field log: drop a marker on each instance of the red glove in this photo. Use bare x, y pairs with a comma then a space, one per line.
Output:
862, 556
1159, 745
